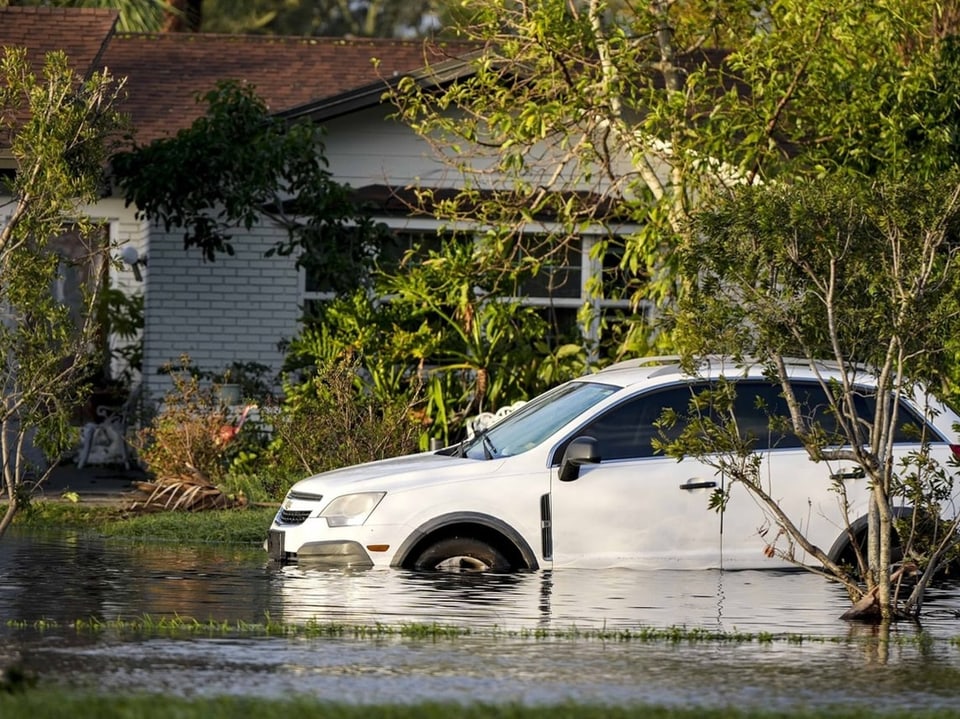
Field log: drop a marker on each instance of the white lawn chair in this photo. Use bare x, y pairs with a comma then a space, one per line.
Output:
485, 419
105, 442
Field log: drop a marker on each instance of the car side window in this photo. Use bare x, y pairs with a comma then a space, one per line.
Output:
764, 417
910, 429
627, 430
758, 403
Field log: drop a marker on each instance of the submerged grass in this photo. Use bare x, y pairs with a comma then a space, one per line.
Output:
46, 705
184, 626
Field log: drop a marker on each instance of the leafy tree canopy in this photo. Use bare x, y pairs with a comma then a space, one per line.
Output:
830, 267
238, 164
60, 129
647, 109
862, 273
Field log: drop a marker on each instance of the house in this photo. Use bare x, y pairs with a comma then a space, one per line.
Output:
239, 308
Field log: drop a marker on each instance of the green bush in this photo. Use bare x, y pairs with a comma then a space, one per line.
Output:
331, 420
327, 419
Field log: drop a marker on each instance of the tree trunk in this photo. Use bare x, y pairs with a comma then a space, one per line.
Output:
187, 16
873, 544
8, 515
9, 490
884, 593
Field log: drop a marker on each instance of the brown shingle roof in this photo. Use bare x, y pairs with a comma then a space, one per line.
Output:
166, 72
81, 33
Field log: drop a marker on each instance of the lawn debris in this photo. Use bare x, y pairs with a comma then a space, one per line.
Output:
185, 492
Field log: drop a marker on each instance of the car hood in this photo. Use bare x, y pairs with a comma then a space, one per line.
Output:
388, 473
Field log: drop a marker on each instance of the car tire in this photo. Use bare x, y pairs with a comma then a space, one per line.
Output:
848, 555
462, 554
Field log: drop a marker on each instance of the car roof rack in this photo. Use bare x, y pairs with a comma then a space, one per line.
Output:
656, 360
664, 364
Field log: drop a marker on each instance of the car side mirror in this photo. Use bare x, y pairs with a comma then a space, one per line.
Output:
581, 451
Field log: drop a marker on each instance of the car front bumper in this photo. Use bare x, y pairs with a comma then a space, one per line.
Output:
331, 553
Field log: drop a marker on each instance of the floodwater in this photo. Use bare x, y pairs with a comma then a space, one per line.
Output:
520, 650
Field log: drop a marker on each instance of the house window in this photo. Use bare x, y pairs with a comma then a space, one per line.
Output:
317, 289
315, 293
402, 242
575, 275
579, 275
560, 276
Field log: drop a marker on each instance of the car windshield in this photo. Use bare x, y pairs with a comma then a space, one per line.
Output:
535, 421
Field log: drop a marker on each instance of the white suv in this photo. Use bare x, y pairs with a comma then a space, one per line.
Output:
571, 479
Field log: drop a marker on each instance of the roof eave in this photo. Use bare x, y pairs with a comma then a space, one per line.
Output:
362, 98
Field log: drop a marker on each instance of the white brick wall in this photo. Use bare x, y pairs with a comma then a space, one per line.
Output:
126, 230
236, 308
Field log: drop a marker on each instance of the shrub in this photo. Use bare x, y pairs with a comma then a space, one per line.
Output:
331, 420
188, 434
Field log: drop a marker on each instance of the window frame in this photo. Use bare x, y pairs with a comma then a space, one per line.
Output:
589, 267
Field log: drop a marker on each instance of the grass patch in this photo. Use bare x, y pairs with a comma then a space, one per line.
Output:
54, 705
183, 627
43, 514
229, 526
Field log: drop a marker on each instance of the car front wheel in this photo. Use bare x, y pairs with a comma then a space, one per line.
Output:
462, 554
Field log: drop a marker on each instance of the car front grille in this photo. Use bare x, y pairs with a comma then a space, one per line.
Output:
289, 516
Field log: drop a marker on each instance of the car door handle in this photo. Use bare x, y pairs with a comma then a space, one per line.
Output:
855, 473
698, 485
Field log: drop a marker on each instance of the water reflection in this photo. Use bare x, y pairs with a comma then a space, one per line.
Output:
68, 578
744, 601
65, 578
721, 601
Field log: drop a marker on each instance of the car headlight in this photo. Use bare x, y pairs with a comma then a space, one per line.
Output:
351, 510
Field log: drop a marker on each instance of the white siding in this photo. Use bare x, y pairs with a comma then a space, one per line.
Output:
368, 147
125, 229
371, 147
